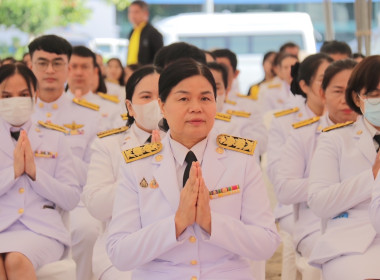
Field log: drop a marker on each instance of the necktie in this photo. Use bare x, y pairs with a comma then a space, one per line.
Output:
377, 139
149, 140
190, 157
15, 134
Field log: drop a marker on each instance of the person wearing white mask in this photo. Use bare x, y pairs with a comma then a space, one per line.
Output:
38, 181
343, 171
99, 192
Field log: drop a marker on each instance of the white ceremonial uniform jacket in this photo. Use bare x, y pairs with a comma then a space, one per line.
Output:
36, 203
99, 192
374, 208
142, 230
340, 189
275, 95
279, 131
293, 176
110, 112
81, 123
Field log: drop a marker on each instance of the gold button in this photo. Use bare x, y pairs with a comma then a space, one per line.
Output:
159, 157
55, 106
193, 262
21, 210
21, 190
48, 115
192, 239
359, 132
220, 150
41, 105
194, 278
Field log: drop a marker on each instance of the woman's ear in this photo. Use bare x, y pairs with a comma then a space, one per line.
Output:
304, 87
130, 110
161, 104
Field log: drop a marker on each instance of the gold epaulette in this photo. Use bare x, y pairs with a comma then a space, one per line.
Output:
112, 131
230, 102
124, 116
109, 97
305, 122
141, 151
274, 85
286, 112
338, 125
86, 104
239, 113
223, 117
238, 144
53, 126
254, 92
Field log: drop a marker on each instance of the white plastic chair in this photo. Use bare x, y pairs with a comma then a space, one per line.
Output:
64, 269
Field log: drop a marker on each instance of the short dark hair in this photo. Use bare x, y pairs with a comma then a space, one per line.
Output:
9, 58
221, 69
142, 4
175, 51
357, 55
10, 70
366, 75
83, 51
101, 85
333, 47
178, 71
268, 54
230, 55
280, 56
134, 80
51, 44
121, 78
306, 71
288, 45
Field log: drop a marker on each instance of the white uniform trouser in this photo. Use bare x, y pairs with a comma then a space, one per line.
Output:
289, 270
84, 231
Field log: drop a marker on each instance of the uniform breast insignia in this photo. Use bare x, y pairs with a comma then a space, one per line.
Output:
109, 97
86, 104
305, 122
112, 131
75, 128
223, 117
143, 183
338, 125
239, 113
238, 144
224, 191
153, 184
286, 112
53, 126
141, 152
45, 154
124, 117
230, 102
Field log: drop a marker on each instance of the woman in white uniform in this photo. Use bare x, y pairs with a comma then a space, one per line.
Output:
37, 181
164, 224
99, 192
294, 166
343, 169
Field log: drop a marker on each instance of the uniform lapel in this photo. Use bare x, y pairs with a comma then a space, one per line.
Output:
364, 141
212, 165
165, 175
35, 136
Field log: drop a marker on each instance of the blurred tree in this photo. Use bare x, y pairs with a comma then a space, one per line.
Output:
120, 4
36, 16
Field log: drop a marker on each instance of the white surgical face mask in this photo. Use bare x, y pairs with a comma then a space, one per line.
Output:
147, 115
220, 102
16, 110
372, 111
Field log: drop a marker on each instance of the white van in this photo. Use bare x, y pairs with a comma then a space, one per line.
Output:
249, 35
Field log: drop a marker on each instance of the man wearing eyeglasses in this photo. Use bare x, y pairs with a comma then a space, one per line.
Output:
50, 64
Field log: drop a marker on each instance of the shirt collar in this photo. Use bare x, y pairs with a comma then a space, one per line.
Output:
180, 151
141, 135
370, 128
